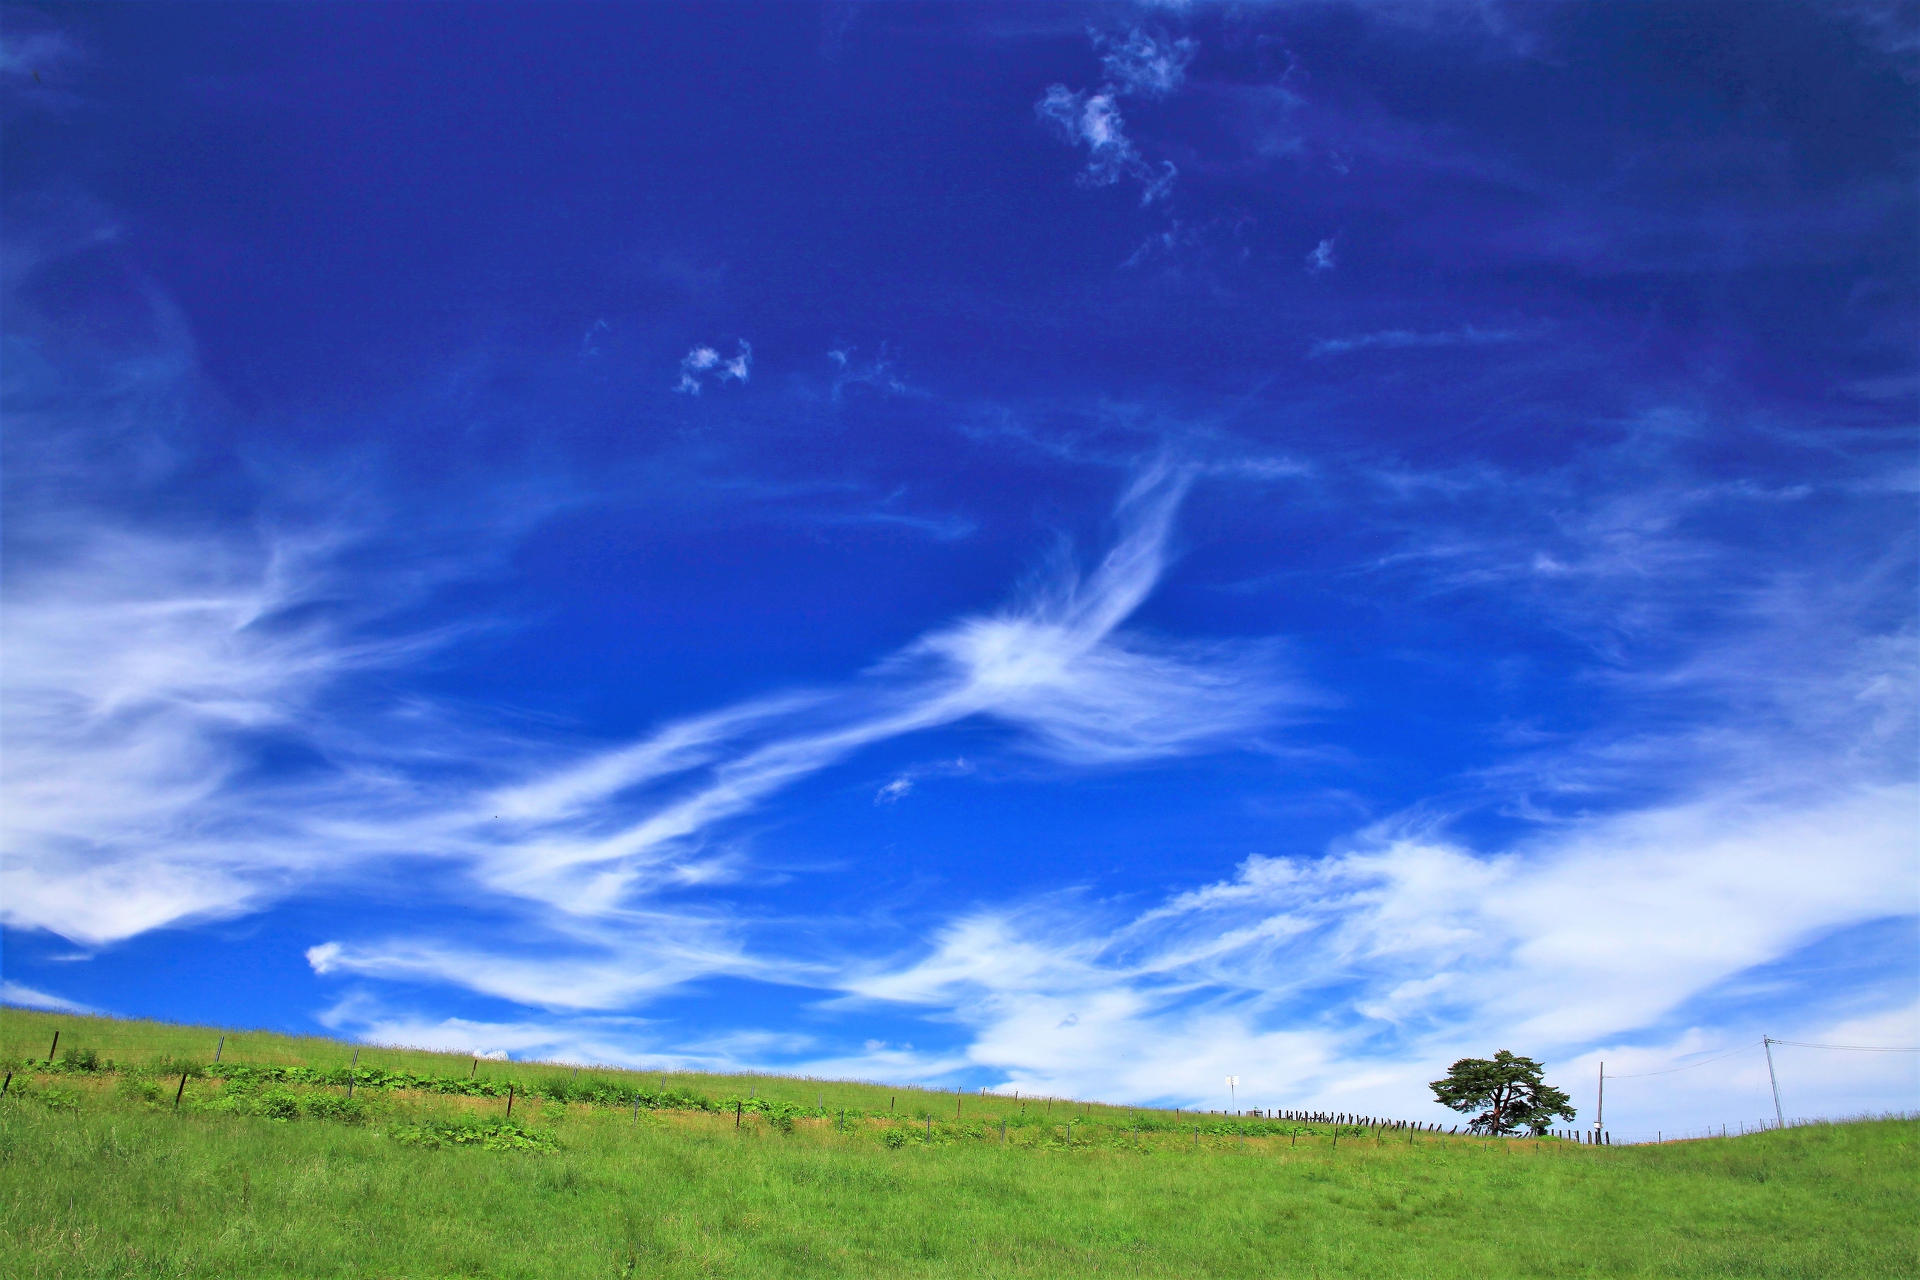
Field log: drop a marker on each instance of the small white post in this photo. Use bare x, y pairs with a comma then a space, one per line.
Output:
1600, 1107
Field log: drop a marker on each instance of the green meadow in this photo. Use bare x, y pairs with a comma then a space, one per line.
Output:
132, 1152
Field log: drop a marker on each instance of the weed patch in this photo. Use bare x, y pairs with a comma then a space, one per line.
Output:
493, 1135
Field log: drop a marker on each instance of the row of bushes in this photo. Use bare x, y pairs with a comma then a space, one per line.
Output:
492, 1135
558, 1088
598, 1091
276, 1094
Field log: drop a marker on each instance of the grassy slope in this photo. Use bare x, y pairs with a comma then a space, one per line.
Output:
114, 1185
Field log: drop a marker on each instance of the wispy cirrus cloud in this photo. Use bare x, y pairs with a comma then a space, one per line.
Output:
879, 371
901, 785
30, 998
1338, 981
193, 731
590, 840
1398, 339
1146, 64
174, 746
705, 364
1091, 118
156, 665
1140, 64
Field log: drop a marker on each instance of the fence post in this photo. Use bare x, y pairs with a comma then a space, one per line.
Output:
509, 1099
181, 1090
54, 1045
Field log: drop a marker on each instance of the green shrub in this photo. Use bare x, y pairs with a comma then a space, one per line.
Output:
332, 1106
82, 1060
493, 1135
140, 1088
59, 1098
277, 1104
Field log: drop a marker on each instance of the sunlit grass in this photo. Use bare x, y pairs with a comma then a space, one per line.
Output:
102, 1177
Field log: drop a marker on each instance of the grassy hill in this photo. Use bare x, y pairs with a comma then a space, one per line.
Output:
266, 1167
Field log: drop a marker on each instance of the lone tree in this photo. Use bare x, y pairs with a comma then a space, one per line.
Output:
1506, 1090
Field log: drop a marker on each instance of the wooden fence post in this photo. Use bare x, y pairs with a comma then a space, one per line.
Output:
509, 1099
181, 1090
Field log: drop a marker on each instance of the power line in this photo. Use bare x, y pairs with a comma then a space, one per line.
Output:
1800, 1044
1641, 1075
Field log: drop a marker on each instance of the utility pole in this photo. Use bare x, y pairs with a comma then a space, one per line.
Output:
1233, 1085
1766, 1042
1600, 1108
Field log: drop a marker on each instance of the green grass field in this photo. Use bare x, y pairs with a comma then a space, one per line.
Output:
266, 1168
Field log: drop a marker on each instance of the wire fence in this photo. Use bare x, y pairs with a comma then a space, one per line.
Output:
1741, 1128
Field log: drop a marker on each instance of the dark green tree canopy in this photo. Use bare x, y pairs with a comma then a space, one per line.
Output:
1507, 1090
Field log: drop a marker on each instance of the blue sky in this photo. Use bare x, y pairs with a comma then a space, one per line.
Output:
1073, 549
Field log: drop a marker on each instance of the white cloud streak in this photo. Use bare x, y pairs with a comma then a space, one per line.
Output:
589, 840
1142, 65
143, 672
1467, 336
1146, 64
704, 364
148, 670
879, 373
28, 998
1339, 982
